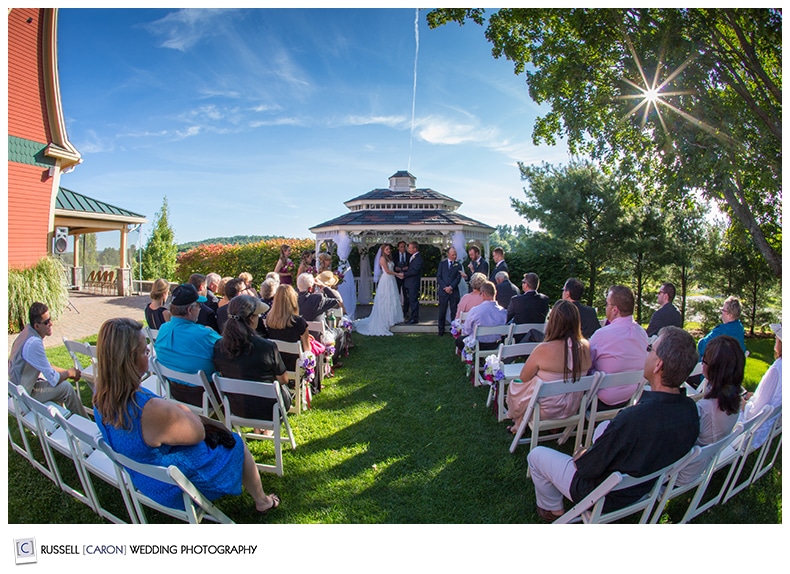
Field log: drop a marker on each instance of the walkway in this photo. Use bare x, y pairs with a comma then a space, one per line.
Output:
92, 310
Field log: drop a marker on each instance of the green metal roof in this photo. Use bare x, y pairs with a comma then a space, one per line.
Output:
27, 151
73, 201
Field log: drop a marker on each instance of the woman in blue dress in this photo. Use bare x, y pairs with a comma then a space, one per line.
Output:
152, 430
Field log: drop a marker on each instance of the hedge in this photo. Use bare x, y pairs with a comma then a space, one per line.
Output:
44, 282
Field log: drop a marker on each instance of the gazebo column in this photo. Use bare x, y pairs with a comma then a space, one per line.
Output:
76, 268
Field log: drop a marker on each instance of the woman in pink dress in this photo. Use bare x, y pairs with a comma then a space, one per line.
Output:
285, 267
564, 354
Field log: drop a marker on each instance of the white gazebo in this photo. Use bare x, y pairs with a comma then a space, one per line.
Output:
402, 212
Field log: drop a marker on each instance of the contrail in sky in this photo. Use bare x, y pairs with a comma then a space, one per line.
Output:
414, 92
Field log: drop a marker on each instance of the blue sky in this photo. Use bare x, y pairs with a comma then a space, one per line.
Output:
263, 121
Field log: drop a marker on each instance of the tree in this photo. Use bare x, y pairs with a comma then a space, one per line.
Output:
578, 206
159, 254
698, 88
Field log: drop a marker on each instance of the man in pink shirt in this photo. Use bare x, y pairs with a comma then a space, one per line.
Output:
620, 346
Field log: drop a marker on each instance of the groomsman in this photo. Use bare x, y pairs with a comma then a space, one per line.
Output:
499, 265
448, 277
477, 263
401, 259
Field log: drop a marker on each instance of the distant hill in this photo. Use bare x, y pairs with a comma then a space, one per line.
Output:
235, 240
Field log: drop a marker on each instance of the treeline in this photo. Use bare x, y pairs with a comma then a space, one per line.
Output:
235, 240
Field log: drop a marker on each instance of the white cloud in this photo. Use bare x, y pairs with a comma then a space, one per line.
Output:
288, 121
389, 121
94, 143
213, 93
265, 108
189, 132
438, 130
184, 28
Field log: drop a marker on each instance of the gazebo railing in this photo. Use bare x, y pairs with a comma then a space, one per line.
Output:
427, 289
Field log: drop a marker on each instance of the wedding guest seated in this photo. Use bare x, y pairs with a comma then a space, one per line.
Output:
564, 355
486, 314
474, 297
152, 430
182, 344
327, 281
505, 289
768, 391
284, 323
248, 288
572, 291
619, 346
212, 284
667, 313
660, 429
531, 306
723, 368
233, 288
155, 312
313, 304
730, 325
207, 315
243, 354
268, 289
221, 291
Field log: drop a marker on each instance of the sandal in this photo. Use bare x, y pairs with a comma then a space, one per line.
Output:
512, 429
275, 503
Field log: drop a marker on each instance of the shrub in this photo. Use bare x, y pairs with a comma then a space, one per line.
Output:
706, 311
229, 260
44, 282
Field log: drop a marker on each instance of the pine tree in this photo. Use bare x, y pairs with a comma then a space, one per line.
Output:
159, 254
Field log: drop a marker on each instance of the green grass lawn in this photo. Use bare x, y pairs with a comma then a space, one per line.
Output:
390, 439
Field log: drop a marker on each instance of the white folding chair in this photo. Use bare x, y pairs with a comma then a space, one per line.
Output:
54, 438
608, 381
749, 449
301, 391
765, 461
317, 329
244, 407
590, 509
27, 423
196, 506
480, 354
568, 425
90, 461
83, 356
512, 372
695, 474
190, 389
728, 457
521, 329
151, 380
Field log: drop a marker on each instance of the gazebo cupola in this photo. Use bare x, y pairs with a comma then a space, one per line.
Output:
403, 194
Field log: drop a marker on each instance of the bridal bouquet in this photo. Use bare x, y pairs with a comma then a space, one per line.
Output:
468, 354
455, 328
307, 362
493, 371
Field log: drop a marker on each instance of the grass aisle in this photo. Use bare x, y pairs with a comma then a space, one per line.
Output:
399, 435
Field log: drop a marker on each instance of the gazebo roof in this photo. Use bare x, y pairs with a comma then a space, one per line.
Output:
402, 217
403, 195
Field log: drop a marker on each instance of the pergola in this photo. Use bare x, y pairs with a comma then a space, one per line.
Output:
401, 212
81, 215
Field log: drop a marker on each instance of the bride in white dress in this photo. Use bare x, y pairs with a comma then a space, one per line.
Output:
387, 310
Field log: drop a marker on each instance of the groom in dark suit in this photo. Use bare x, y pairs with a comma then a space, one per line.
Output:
447, 279
401, 259
411, 281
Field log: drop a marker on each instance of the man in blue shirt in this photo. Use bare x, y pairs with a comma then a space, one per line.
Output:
182, 344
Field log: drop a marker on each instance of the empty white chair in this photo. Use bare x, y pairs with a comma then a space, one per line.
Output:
83, 356
27, 423
749, 449
521, 329
258, 405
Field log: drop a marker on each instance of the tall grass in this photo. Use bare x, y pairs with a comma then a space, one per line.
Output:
42, 282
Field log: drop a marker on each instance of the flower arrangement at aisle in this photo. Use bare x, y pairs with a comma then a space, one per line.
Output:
307, 362
455, 328
468, 353
328, 339
346, 324
493, 371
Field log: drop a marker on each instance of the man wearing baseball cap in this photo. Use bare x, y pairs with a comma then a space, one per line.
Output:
182, 344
